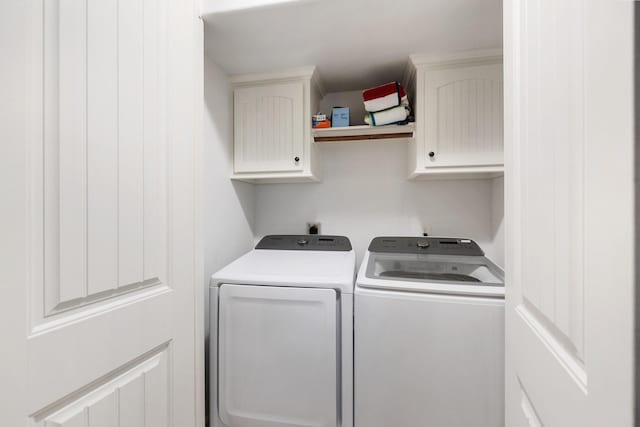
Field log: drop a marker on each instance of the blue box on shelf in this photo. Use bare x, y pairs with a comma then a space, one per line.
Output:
340, 117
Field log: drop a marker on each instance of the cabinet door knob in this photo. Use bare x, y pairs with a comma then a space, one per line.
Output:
297, 159
432, 154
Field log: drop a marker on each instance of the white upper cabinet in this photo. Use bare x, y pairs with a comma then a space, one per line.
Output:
272, 121
268, 128
459, 116
463, 116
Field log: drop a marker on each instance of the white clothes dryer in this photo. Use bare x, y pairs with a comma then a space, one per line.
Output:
281, 336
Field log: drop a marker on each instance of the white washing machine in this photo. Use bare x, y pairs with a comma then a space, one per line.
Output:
429, 335
281, 337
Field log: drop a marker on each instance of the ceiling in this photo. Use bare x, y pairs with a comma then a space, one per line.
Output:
354, 43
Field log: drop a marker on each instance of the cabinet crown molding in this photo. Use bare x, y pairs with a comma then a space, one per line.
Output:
309, 72
463, 57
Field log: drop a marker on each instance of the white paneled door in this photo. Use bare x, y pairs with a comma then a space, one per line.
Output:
101, 319
570, 213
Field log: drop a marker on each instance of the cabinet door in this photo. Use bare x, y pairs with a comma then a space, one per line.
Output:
269, 128
463, 116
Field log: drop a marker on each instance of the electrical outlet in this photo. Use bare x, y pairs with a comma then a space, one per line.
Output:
313, 228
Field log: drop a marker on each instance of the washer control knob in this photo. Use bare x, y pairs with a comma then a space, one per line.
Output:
303, 242
422, 243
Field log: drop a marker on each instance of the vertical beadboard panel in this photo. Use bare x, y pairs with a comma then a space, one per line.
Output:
270, 144
156, 396
250, 129
278, 143
288, 125
72, 97
136, 397
131, 403
130, 143
274, 118
463, 115
268, 128
102, 140
104, 412
572, 299
498, 100
288, 132
466, 132
278, 112
456, 102
473, 106
265, 142
51, 152
153, 165
104, 160
533, 147
263, 130
469, 116
284, 123
553, 121
259, 145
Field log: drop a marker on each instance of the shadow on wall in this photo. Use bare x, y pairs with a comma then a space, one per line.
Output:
228, 206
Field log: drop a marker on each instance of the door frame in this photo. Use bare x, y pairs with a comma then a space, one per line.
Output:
636, 105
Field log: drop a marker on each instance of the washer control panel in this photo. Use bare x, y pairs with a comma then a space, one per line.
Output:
426, 245
305, 242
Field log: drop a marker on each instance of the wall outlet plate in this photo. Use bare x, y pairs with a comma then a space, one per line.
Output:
313, 228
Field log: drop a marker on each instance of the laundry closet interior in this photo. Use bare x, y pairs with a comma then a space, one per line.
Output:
269, 174
355, 186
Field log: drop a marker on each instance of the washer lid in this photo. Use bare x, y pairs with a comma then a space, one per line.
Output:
450, 274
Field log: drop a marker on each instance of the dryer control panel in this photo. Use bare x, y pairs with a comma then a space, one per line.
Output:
305, 242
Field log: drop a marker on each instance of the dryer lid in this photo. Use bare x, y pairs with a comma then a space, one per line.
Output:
297, 268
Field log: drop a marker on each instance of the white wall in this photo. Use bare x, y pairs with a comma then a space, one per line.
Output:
228, 206
351, 99
365, 193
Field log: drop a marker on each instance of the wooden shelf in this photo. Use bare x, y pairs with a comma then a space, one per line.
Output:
363, 133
